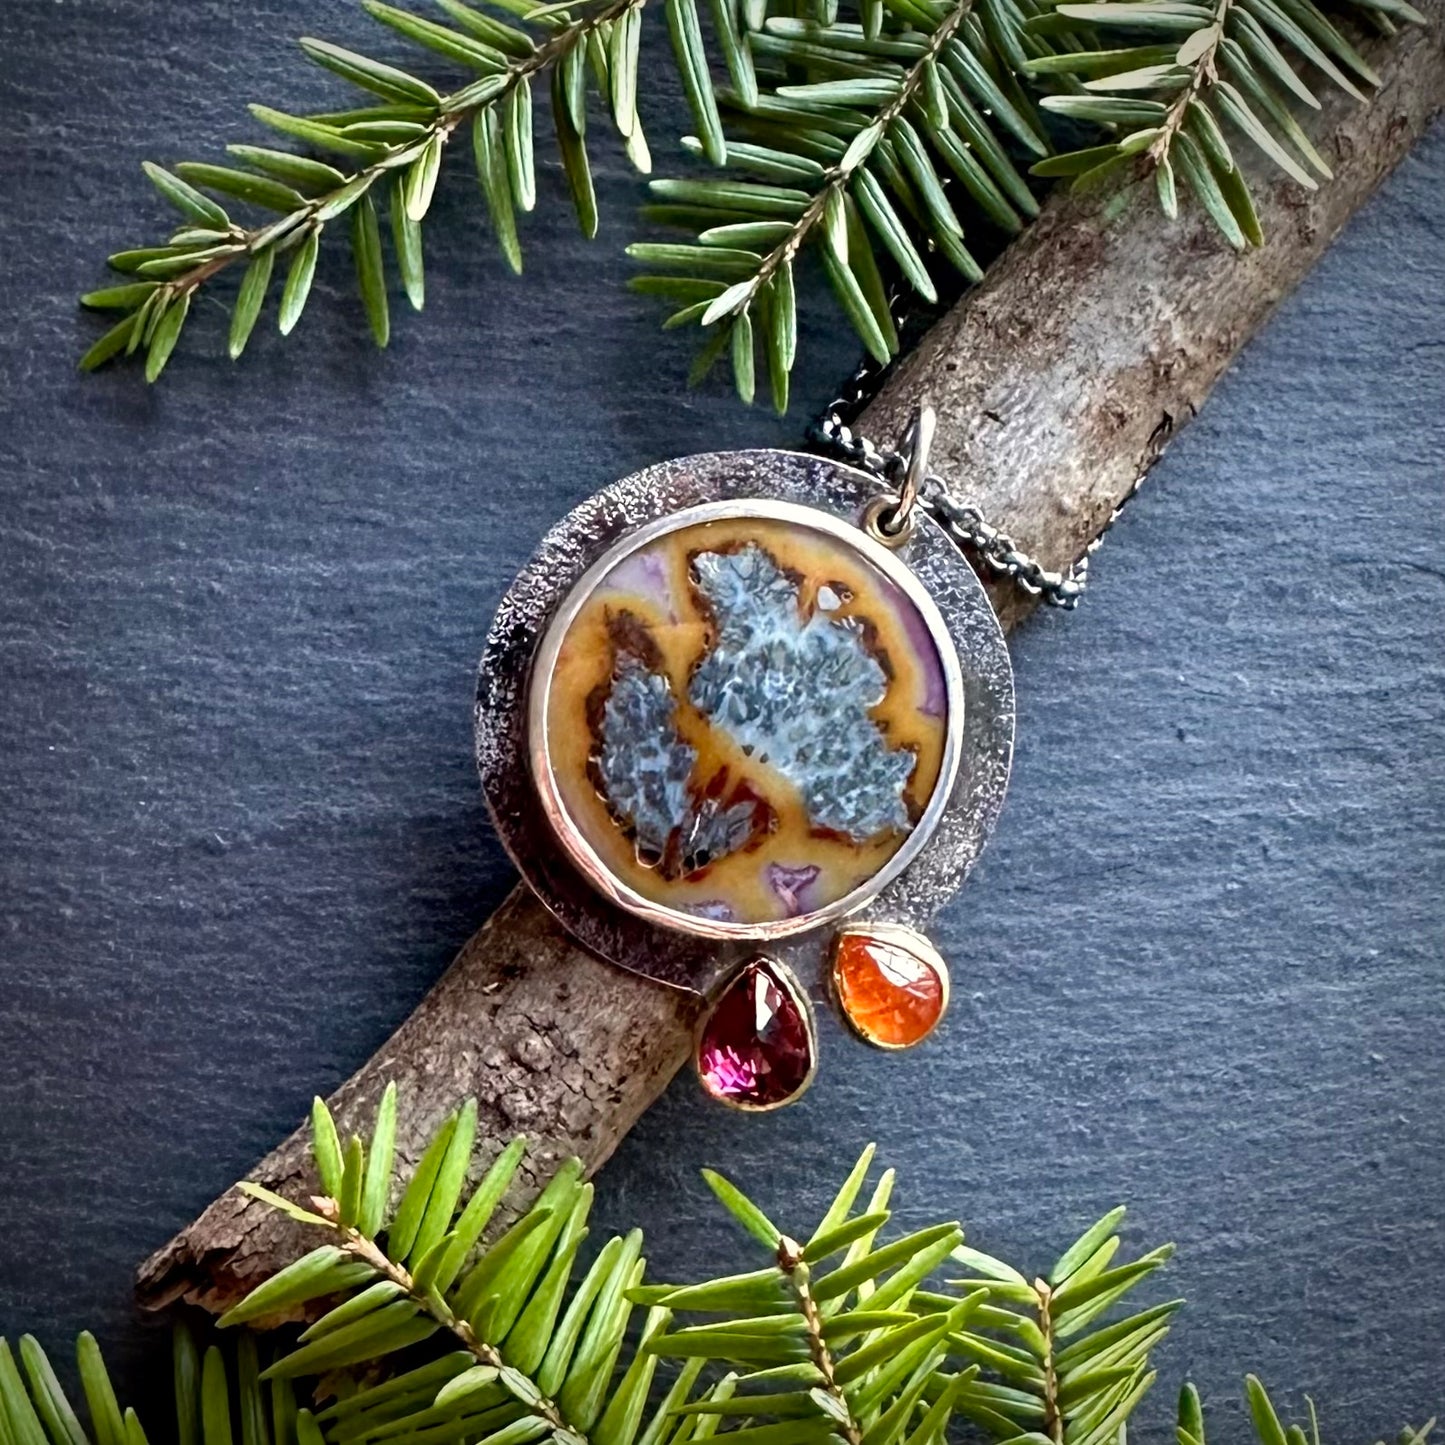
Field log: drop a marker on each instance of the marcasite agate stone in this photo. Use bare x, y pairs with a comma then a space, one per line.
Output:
722, 731
742, 722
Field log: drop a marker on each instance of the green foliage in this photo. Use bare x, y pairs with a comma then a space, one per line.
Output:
427, 1326
220, 1399
884, 139
829, 1340
889, 137
1171, 82
384, 155
879, 141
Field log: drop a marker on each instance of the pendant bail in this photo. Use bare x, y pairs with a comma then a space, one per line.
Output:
891, 519
916, 445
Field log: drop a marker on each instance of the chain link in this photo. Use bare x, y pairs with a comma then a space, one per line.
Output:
962, 521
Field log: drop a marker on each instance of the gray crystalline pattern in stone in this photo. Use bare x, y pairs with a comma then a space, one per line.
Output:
795, 693
645, 765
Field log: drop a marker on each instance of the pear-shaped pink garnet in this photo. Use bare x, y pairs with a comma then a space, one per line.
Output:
756, 1050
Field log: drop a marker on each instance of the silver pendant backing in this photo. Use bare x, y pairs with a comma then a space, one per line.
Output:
922, 876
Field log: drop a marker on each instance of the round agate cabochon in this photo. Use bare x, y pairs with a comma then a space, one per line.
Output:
744, 719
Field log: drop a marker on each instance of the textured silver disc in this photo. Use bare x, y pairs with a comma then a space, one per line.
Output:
695, 942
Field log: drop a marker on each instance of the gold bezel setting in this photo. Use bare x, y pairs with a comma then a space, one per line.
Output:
797, 999
569, 835
906, 940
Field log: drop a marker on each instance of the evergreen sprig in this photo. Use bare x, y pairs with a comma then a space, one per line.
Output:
1171, 80
222, 1396
877, 137
385, 157
823, 1343
879, 131
904, 128
430, 1327
1072, 1371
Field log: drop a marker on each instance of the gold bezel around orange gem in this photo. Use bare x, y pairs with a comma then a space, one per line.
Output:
890, 984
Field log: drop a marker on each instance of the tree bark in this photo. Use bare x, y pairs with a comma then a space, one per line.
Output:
1058, 382
554, 1044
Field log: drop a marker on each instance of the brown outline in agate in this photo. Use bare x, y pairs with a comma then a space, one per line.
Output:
623, 925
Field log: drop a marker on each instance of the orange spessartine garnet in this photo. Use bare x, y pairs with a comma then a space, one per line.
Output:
891, 984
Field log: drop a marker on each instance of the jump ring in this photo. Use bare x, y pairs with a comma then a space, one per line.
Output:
917, 443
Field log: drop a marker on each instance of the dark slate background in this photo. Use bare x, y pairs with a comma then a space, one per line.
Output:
1200, 968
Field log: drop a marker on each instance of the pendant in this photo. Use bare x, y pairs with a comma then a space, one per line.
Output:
733, 731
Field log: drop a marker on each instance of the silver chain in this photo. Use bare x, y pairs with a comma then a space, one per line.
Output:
909, 480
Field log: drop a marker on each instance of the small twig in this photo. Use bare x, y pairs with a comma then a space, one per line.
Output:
790, 1261
431, 1302
1205, 73
1053, 1414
